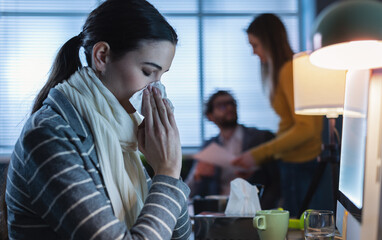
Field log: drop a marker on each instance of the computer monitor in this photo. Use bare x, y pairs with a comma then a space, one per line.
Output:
359, 201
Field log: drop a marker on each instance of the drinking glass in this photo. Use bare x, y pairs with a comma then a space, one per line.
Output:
319, 225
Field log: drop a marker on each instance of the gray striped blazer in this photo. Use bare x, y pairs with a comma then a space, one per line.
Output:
55, 188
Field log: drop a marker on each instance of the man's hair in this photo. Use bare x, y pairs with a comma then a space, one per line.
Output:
209, 107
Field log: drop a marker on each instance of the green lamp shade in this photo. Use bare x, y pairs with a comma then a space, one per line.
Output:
348, 35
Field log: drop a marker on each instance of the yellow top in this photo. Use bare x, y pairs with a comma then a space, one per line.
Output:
299, 136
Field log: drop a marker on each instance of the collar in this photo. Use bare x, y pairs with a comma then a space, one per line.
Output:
237, 135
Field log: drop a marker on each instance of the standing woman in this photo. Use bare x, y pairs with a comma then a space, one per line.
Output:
76, 172
298, 140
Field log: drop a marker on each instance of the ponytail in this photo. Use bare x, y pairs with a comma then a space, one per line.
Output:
66, 63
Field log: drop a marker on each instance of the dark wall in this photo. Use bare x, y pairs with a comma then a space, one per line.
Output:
321, 4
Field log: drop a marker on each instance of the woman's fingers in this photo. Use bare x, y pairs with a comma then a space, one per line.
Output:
162, 110
146, 109
245, 161
237, 162
160, 143
154, 111
141, 139
170, 114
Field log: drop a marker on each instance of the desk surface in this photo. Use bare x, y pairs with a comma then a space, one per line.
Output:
218, 227
294, 234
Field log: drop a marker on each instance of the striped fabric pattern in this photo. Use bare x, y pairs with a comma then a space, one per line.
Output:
55, 188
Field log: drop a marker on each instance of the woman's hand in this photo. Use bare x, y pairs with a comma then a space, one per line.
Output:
159, 137
245, 161
203, 170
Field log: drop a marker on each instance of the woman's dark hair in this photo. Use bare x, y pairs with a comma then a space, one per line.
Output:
273, 37
209, 107
123, 24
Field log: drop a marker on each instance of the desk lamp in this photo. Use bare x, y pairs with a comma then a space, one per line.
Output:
348, 35
319, 91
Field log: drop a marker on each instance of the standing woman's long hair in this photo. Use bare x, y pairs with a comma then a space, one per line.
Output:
271, 32
123, 24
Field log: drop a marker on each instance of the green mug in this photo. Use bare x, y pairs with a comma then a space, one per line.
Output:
271, 224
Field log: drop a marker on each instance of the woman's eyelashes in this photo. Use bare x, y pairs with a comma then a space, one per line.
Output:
146, 73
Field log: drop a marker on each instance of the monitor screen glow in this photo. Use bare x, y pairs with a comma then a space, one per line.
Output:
352, 168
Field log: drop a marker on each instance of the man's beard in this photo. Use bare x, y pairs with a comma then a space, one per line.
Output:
227, 124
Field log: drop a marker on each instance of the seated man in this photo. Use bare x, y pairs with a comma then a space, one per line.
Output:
206, 179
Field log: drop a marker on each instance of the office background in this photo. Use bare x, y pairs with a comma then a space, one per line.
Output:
213, 53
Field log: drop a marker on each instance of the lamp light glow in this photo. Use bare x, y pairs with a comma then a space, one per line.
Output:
349, 55
317, 91
348, 35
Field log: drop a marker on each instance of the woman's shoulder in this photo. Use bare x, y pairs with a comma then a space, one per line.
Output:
286, 69
57, 116
286, 73
44, 118
46, 126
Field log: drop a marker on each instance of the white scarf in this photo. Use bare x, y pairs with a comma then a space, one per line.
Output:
114, 132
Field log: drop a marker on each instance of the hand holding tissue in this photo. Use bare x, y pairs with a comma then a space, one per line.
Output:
136, 99
243, 199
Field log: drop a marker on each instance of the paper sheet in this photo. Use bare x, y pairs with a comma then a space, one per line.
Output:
215, 154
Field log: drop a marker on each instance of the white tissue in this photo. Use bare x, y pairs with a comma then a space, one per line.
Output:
136, 99
243, 199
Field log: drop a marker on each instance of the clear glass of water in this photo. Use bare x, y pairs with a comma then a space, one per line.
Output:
319, 225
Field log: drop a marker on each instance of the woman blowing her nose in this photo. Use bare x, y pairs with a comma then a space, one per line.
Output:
75, 172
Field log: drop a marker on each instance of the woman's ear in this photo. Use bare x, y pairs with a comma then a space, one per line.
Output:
100, 57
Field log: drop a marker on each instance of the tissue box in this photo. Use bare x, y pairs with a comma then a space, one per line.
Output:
218, 226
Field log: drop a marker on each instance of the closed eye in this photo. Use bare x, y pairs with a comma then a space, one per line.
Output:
146, 73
